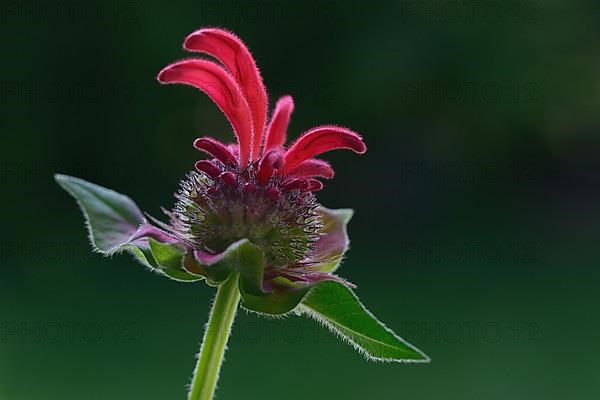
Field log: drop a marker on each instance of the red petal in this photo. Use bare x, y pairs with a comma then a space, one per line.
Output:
277, 129
213, 80
312, 167
208, 168
319, 140
216, 149
249, 187
273, 193
314, 185
234, 149
295, 184
229, 178
271, 161
233, 53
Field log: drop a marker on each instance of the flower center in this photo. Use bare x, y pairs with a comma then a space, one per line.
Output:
280, 217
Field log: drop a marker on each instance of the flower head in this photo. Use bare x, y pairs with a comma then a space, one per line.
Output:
247, 219
255, 189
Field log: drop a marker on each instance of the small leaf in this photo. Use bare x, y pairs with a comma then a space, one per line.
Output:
241, 256
248, 260
181, 275
191, 265
338, 308
278, 302
169, 258
115, 223
112, 218
166, 255
144, 256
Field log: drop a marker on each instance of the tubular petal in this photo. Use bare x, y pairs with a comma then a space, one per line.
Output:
216, 149
273, 193
234, 149
319, 140
208, 168
314, 185
213, 80
312, 167
229, 178
249, 187
233, 53
271, 161
295, 184
276, 131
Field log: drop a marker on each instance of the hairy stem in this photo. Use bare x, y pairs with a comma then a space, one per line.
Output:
215, 339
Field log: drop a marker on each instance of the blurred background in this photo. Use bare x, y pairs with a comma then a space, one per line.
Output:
477, 205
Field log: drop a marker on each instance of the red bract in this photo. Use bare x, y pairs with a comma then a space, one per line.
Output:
234, 83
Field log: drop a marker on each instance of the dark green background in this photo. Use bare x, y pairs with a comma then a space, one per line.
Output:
476, 226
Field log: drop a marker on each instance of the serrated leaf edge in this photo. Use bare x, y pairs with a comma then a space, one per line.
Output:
114, 250
323, 320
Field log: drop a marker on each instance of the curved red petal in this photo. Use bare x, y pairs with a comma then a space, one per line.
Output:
313, 167
314, 185
209, 168
275, 135
213, 80
229, 178
271, 161
273, 193
216, 149
233, 53
319, 140
295, 184
234, 149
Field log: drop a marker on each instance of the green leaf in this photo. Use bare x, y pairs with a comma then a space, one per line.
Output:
144, 256
248, 260
338, 308
180, 275
111, 218
273, 303
237, 254
166, 255
169, 258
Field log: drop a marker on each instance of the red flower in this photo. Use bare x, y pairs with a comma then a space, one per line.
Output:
259, 158
247, 219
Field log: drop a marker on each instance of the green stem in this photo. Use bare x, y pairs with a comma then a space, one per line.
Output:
215, 339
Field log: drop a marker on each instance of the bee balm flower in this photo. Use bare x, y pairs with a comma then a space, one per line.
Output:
255, 189
246, 218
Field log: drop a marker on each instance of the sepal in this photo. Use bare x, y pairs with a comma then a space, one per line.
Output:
169, 259
329, 250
